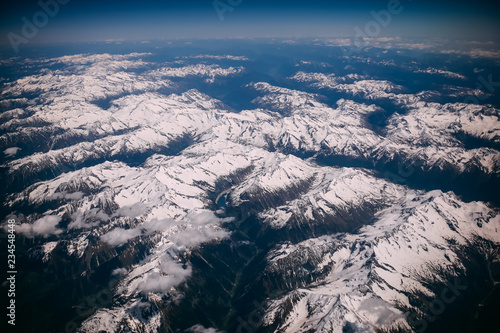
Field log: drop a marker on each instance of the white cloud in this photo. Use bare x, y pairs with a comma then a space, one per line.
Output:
9, 152
172, 273
158, 225
132, 211
205, 217
201, 329
201, 227
46, 226
217, 57
475, 53
65, 195
88, 219
193, 237
120, 236
119, 271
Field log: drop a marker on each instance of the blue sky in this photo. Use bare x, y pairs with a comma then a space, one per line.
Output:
90, 20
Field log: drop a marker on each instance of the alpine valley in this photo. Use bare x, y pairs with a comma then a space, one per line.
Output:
260, 185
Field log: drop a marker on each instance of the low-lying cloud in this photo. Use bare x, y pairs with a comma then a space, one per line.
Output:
120, 236
45, 227
88, 219
65, 195
201, 329
9, 152
172, 273
192, 237
119, 271
132, 211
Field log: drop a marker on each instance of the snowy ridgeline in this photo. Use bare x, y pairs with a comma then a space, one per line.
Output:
149, 168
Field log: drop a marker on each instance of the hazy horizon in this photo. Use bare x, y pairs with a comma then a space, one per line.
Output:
92, 21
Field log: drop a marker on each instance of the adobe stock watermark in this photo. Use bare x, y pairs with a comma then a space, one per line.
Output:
92, 303
30, 28
11, 271
483, 84
405, 171
431, 311
222, 6
373, 29
254, 320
